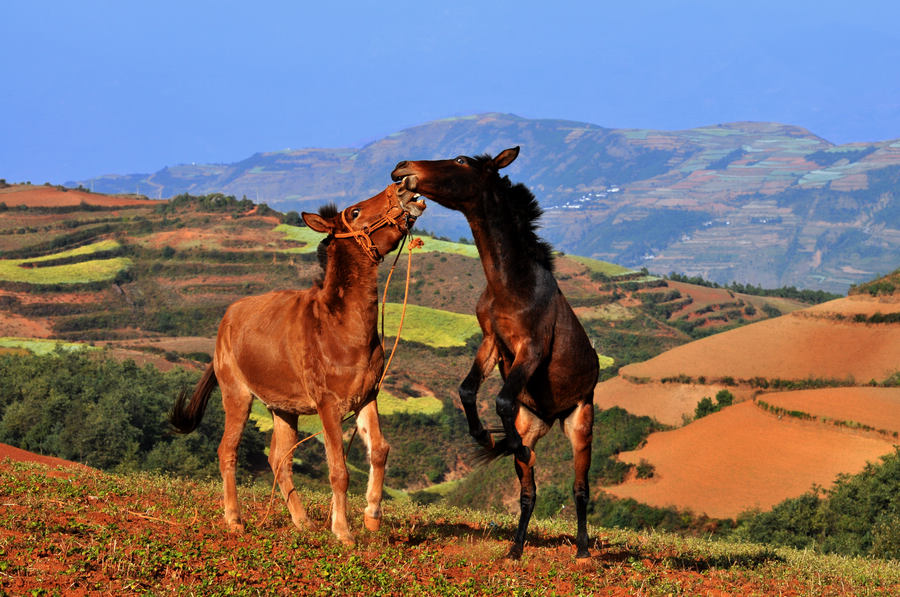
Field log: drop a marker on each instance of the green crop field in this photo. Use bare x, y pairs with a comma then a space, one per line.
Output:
431, 244
435, 245
82, 272
436, 328
103, 245
388, 404
601, 267
40, 346
301, 234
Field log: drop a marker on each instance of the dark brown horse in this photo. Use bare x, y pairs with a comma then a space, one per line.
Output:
546, 360
310, 351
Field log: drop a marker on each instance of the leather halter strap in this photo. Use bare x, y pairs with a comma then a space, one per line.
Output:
362, 235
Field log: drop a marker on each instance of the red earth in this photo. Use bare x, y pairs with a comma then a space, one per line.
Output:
744, 458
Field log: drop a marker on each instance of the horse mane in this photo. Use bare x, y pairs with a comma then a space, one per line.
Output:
329, 210
522, 212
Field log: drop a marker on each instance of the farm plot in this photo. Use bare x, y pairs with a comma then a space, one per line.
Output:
83, 271
743, 458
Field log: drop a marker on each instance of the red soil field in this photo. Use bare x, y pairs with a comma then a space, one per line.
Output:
44, 196
18, 455
743, 458
878, 408
795, 346
667, 403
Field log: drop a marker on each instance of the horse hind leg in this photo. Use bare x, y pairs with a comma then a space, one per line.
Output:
578, 427
370, 431
236, 401
531, 428
281, 450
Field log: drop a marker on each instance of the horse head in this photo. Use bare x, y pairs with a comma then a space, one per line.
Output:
453, 183
377, 223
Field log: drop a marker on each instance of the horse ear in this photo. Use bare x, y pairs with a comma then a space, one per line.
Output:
506, 157
317, 222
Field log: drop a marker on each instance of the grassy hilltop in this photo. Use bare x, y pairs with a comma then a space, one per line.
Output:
142, 284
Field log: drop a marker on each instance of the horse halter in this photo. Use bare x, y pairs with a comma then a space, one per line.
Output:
362, 236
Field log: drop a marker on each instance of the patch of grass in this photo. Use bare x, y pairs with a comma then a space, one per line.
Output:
432, 327
301, 234
98, 247
601, 267
84, 272
388, 405
92, 532
436, 245
40, 346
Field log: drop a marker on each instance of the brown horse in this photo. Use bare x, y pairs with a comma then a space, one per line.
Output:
310, 351
546, 360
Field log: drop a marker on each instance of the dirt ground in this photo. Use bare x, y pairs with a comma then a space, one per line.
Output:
668, 403
878, 408
795, 346
44, 196
743, 458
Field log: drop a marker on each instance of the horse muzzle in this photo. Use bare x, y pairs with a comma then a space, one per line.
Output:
410, 201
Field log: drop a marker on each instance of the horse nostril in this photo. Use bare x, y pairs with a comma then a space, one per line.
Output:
402, 164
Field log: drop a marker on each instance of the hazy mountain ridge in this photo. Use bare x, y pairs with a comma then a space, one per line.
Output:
760, 203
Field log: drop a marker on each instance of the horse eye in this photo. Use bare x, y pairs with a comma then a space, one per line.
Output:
355, 213
460, 160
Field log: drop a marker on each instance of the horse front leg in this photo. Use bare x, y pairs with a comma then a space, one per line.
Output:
337, 473
485, 361
370, 431
527, 359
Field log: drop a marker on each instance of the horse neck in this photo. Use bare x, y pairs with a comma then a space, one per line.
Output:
495, 238
351, 281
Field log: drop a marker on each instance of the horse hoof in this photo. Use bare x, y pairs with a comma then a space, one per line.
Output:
347, 540
583, 560
235, 527
372, 524
515, 552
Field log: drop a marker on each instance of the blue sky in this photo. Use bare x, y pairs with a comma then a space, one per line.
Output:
96, 87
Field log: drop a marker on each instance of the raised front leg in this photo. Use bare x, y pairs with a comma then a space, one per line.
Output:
485, 361
527, 359
370, 432
578, 426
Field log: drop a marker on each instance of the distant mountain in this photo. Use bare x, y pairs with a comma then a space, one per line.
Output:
758, 203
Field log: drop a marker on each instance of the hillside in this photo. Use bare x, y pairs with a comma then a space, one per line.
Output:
760, 203
818, 395
73, 530
148, 281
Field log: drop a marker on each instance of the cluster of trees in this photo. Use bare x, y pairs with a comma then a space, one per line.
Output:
813, 297
216, 202
707, 407
111, 415
860, 515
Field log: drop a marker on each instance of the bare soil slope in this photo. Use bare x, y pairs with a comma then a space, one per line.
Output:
875, 408
744, 458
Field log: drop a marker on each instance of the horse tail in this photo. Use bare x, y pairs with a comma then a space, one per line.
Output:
485, 455
189, 407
